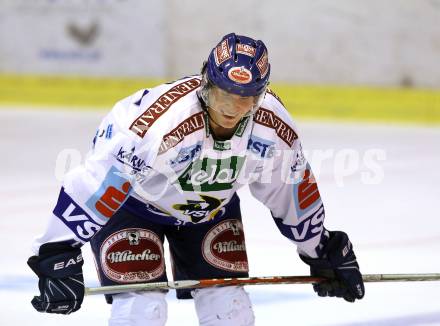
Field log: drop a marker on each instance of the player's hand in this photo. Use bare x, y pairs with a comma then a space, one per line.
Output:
337, 264
61, 280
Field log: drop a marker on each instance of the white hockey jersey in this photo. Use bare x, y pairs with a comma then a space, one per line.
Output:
154, 152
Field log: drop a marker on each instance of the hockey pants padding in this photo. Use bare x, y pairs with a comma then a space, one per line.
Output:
223, 306
138, 309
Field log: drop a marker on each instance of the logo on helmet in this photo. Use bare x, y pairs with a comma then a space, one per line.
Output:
240, 75
245, 49
222, 53
263, 64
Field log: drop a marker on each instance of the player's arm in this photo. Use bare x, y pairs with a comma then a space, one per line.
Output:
88, 198
288, 188
92, 192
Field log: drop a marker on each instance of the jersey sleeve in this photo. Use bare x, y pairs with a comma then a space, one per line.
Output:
287, 186
93, 192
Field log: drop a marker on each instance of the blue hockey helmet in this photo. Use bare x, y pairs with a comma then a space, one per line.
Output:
239, 65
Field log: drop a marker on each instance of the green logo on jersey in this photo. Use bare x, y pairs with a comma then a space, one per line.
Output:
242, 127
210, 174
222, 145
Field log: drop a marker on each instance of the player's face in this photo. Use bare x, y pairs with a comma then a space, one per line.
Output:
228, 109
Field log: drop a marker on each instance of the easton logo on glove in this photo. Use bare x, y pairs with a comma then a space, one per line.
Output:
65, 264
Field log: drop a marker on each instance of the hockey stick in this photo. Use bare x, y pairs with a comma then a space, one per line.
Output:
197, 284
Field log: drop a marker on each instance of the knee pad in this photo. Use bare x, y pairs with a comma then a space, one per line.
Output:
138, 309
223, 306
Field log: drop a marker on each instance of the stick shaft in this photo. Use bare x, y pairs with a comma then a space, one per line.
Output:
401, 277
190, 284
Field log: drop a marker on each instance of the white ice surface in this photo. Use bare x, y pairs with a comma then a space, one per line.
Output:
394, 225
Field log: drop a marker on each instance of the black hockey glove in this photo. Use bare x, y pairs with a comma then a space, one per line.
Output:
338, 264
61, 282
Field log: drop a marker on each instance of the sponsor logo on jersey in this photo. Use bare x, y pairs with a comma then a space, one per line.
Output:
224, 246
209, 174
224, 145
141, 125
111, 195
222, 52
187, 154
263, 64
309, 227
200, 209
240, 75
269, 119
75, 218
245, 49
127, 157
262, 147
306, 192
185, 128
112, 199
132, 255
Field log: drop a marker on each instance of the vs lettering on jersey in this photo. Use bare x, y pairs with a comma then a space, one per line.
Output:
308, 228
75, 218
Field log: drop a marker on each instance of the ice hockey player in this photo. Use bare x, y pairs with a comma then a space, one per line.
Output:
166, 162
